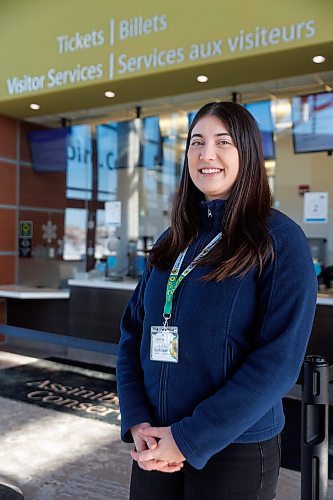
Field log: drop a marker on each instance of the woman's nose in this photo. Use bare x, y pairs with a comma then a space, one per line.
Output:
208, 152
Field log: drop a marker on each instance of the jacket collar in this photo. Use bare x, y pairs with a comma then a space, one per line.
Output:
211, 213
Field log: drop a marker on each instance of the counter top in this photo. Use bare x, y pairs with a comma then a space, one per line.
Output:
130, 284
31, 292
126, 284
324, 300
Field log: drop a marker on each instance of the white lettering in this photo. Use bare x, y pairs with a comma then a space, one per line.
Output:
80, 42
233, 43
155, 59
16, 85
205, 50
261, 37
274, 36
74, 75
311, 29
138, 26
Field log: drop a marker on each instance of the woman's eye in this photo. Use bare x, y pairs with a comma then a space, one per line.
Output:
223, 143
196, 143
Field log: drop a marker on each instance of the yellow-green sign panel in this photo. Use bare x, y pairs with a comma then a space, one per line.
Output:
49, 46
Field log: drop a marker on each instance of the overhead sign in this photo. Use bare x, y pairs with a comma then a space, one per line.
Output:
89, 43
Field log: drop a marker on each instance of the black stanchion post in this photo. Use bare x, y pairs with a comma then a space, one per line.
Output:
314, 431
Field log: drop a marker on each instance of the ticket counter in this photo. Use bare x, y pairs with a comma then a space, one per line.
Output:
87, 316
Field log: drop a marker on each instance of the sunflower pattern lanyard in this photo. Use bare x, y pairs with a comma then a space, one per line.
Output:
164, 343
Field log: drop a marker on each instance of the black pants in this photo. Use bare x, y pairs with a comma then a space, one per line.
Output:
239, 472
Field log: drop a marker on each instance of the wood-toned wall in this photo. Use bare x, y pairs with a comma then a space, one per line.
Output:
24, 195
8, 198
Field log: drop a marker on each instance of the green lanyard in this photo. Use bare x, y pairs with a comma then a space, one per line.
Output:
173, 282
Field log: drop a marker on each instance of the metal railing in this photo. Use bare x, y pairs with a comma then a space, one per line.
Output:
314, 428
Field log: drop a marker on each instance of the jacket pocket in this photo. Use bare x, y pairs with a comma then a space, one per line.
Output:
232, 358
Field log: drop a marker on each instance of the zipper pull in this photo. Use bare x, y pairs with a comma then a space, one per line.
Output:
210, 213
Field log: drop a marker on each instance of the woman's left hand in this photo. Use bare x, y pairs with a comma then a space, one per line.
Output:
166, 450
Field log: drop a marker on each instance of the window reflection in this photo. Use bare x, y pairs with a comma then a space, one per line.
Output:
107, 154
159, 184
79, 163
117, 147
151, 143
137, 162
75, 233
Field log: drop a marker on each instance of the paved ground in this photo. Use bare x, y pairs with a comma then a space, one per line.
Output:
56, 456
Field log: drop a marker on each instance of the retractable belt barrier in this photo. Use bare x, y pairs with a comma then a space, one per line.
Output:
314, 428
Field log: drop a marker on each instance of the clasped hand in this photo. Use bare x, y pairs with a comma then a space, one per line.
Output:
155, 449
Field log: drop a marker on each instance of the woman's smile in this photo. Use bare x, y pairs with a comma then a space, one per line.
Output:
210, 170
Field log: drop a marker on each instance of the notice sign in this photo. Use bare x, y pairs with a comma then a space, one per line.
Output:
113, 213
26, 229
316, 207
25, 238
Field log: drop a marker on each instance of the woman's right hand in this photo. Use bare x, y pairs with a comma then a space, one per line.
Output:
144, 443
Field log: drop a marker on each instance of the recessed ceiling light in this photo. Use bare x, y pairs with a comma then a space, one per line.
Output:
318, 59
35, 106
109, 93
202, 78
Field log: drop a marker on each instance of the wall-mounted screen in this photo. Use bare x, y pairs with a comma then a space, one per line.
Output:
49, 149
261, 111
190, 116
312, 117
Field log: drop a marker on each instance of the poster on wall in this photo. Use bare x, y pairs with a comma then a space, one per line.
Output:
316, 207
113, 213
25, 238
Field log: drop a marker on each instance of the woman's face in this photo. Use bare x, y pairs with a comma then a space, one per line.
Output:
213, 159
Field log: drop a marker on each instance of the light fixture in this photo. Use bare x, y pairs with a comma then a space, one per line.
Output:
35, 106
318, 59
109, 93
202, 78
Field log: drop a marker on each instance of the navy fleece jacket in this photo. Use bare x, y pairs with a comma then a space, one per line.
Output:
241, 345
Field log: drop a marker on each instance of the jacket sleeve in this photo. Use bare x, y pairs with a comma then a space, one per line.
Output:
133, 406
286, 302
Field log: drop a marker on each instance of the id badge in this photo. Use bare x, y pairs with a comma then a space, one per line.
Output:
164, 343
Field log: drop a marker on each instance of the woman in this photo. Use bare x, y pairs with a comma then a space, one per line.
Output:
209, 346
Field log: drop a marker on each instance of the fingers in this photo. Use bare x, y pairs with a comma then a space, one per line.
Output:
153, 465
140, 444
151, 442
171, 467
152, 431
142, 456
161, 466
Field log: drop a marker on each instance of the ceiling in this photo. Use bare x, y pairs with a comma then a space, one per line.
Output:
271, 89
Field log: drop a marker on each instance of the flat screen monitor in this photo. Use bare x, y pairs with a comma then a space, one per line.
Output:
49, 149
312, 117
261, 111
190, 116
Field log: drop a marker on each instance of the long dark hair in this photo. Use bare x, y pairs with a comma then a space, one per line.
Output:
245, 242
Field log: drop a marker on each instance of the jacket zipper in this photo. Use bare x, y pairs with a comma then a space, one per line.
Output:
165, 365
